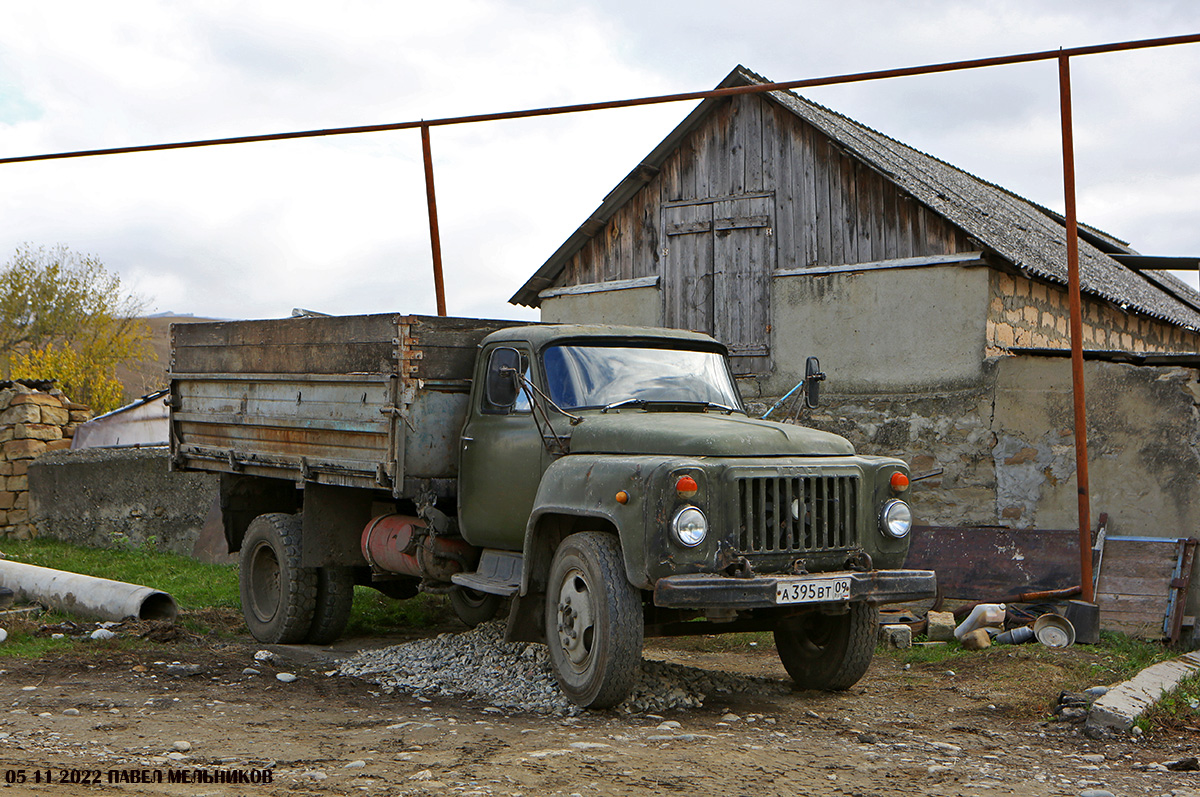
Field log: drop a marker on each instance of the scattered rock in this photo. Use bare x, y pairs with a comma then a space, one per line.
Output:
481, 665
1096, 793
3, 635
251, 671
976, 640
101, 633
183, 670
669, 725
181, 746
265, 655
286, 677
355, 765
730, 717
71, 712
1191, 764
896, 637
1095, 691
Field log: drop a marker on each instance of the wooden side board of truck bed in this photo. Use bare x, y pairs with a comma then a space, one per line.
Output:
358, 401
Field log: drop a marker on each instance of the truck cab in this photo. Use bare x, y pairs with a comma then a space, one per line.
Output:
629, 452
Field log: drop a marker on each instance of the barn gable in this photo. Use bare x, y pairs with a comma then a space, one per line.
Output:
753, 187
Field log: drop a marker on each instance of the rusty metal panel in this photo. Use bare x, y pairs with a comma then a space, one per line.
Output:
357, 401
983, 563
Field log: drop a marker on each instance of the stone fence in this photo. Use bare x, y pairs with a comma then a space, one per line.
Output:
34, 419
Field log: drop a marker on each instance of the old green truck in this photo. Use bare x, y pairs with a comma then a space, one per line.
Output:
603, 483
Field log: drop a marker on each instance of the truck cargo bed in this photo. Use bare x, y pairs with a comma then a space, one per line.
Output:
359, 401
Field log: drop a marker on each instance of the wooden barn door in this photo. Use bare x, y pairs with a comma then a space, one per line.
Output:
717, 274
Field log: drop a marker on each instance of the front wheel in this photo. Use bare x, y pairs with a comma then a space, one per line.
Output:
828, 651
278, 595
594, 624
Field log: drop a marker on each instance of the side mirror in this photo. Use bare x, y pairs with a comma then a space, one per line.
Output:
503, 382
813, 377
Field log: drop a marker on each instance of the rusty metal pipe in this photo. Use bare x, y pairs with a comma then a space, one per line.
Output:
435, 238
1024, 597
951, 66
1076, 307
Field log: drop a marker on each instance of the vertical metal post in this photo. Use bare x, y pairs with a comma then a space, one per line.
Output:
435, 240
1081, 457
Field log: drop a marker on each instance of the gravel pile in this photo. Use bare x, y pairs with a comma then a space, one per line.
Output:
480, 665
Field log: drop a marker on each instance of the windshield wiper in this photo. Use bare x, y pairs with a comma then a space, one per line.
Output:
629, 402
640, 402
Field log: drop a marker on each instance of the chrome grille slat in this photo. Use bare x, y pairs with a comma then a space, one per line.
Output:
828, 513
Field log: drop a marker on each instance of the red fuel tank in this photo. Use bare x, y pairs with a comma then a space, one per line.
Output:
402, 544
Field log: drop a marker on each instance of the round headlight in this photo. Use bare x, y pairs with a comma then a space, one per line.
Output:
689, 526
896, 519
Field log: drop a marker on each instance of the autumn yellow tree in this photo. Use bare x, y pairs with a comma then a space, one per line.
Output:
63, 316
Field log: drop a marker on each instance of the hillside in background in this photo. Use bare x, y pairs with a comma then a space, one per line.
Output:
151, 375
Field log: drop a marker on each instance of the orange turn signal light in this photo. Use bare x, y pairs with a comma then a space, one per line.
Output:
899, 482
686, 487
622, 497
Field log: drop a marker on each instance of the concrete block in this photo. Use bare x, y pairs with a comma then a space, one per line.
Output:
940, 626
1121, 706
895, 636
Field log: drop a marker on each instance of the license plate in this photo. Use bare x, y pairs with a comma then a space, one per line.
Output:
813, 590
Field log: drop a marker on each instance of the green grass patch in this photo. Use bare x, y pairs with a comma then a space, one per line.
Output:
206, 594
193, 585
1178, 710
376, 614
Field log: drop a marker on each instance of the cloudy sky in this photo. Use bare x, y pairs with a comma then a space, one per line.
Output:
338, 224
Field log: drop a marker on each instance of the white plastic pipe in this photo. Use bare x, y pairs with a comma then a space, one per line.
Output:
85, 596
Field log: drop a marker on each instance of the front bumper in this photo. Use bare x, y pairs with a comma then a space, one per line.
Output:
707, 591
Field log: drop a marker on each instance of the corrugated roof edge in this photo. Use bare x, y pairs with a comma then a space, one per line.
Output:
1163, 297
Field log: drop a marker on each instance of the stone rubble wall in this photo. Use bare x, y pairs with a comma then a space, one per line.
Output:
32, 422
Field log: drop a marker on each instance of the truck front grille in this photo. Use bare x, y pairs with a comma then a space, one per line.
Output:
805, 514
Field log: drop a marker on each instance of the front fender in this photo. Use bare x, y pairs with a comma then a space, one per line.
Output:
580, 487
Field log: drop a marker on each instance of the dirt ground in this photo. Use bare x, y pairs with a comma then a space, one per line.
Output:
107, 723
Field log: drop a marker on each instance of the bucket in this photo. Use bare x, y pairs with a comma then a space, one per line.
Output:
1054, 631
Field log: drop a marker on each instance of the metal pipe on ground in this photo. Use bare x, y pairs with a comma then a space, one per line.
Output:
86, 596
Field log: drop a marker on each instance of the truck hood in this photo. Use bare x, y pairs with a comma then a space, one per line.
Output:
700, 434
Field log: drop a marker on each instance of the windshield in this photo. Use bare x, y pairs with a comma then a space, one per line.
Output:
597, 376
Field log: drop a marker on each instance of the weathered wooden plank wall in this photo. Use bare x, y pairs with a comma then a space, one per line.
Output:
829, 208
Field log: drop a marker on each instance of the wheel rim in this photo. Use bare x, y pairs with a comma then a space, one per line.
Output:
576, 619
264, 582
813, 635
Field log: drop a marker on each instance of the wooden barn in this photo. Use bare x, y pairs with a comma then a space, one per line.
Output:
937, 302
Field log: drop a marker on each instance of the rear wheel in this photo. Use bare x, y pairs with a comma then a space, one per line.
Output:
278, 595
828, 651
474, 607
594, 625
335, 597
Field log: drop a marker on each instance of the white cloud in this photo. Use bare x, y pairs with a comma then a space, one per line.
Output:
339, 224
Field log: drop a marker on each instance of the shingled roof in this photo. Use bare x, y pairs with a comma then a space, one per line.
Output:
1030, 237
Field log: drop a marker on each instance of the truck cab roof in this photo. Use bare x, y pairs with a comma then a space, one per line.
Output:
542, 335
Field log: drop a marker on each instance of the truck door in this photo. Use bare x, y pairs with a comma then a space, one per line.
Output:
501, 458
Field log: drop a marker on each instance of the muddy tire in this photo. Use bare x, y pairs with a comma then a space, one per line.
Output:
473, 607
594, 625
278, 595
335, 597
828, 651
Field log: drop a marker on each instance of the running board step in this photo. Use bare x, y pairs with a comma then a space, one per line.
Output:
499, 573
